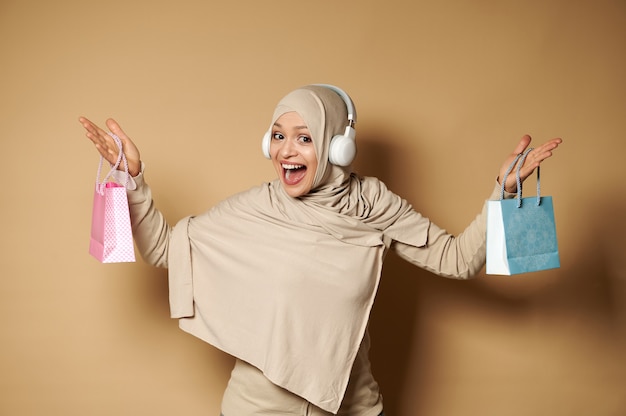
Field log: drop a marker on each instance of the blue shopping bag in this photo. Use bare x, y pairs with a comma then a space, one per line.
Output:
521, 232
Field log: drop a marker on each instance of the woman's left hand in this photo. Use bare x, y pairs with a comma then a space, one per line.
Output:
533, 160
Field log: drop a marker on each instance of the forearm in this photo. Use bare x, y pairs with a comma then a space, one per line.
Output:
444, 254
150, 229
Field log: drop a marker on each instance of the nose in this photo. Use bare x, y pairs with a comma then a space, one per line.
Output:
287, 148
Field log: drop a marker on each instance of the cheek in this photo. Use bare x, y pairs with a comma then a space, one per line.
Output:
272, 149
313, 166
311, 159
312, 169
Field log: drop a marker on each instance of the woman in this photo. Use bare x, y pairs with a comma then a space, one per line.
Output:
283, 276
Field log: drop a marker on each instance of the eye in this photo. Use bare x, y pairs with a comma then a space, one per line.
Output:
305, 139
277, 136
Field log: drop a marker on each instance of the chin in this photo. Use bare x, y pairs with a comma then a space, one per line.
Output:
296, 192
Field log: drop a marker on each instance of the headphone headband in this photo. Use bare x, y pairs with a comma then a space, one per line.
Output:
346, 99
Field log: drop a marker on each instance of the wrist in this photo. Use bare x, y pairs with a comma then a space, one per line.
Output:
510, 190
134, 169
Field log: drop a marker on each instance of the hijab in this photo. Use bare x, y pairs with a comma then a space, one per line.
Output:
364, 205
287, 284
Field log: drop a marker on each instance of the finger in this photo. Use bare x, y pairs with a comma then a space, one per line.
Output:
115, 128
93, 131
100, 138
538, 155
88, 125
545, 150
550, 145
522, 145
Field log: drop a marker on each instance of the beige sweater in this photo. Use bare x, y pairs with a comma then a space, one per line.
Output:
443, 254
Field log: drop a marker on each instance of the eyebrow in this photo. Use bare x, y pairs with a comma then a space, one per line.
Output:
297, 127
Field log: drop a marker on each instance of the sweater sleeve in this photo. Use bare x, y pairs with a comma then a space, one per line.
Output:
150, 229
459, 257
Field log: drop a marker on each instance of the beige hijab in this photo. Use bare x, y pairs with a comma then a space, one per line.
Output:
287, 284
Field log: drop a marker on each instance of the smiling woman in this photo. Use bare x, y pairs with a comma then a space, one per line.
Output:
293, 154
283, 276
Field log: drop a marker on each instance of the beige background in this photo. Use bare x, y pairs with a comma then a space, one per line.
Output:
444, 90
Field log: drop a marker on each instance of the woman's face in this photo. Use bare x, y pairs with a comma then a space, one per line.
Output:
293, 154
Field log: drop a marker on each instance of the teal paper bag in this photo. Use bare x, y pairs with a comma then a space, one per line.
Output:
521, 232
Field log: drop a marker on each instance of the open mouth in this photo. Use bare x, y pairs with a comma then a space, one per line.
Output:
293, 174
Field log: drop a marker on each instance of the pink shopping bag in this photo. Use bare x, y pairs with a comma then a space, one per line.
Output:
111, 234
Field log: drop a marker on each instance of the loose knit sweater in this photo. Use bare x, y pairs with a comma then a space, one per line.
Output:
443, 254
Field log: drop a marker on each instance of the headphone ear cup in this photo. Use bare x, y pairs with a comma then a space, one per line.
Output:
342, 150
265, 144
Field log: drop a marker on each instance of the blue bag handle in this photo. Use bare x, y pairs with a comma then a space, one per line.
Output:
520, 158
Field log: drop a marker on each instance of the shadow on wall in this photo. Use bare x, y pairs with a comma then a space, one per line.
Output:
580, 306
395, 313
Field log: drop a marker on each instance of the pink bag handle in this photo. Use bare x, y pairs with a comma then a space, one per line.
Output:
121, 157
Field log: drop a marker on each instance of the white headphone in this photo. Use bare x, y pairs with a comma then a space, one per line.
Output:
342, 146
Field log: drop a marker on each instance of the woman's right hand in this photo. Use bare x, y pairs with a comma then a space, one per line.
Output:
106, 145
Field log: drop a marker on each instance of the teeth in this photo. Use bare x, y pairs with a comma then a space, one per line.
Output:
286, 166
